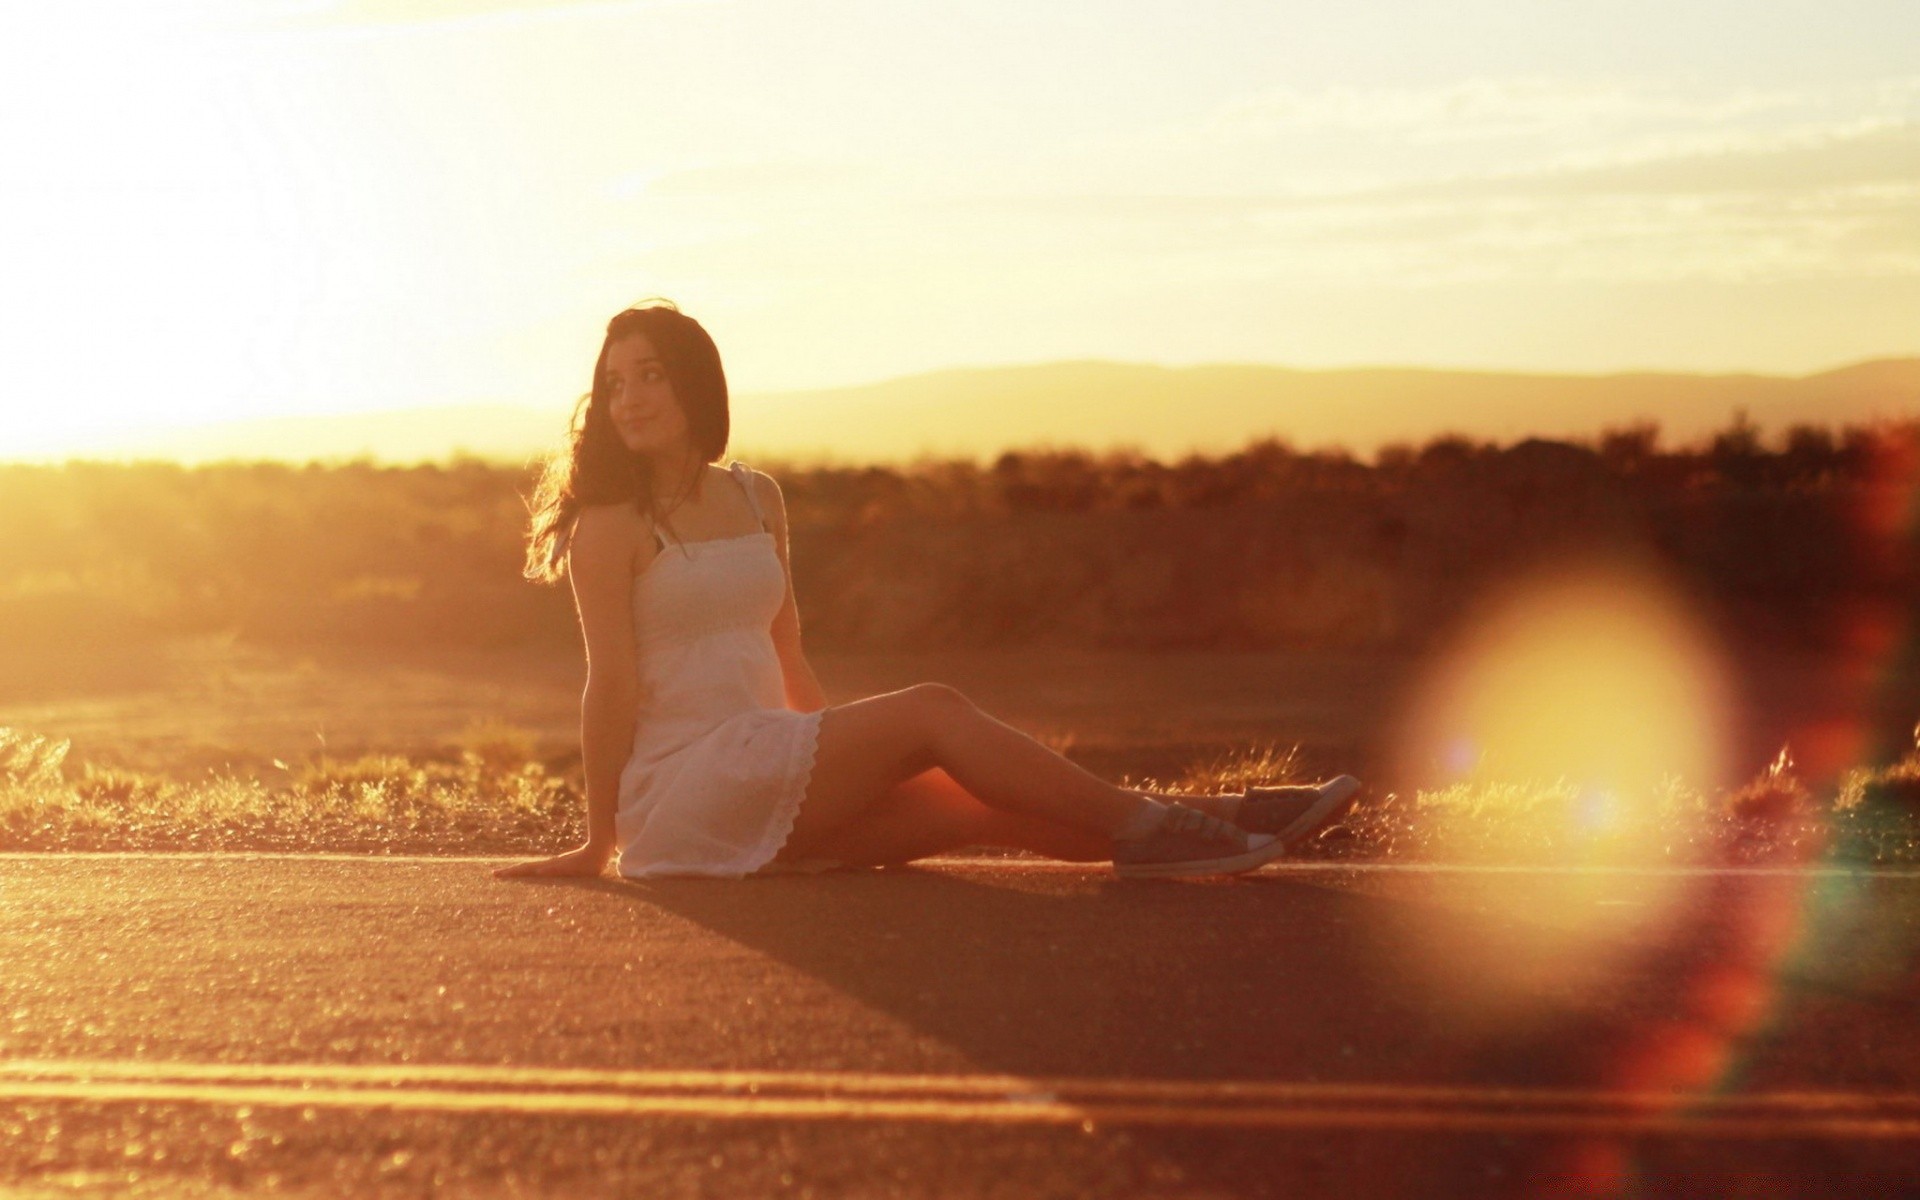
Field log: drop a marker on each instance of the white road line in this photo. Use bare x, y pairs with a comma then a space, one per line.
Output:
1192, 1090
1020, 865
988, 1099
1334, 867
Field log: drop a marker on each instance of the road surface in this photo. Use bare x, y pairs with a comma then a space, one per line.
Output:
328, 1026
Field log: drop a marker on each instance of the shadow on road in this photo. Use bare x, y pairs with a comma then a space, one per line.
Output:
1252, 979
1278, 979
1112, 978
1247, 980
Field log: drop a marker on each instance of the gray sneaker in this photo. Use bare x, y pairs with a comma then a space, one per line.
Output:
1189, 842
1295, 813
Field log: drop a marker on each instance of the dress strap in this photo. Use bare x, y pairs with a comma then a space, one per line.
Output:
744, 477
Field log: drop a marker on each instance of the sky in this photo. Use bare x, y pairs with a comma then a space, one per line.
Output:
220, 209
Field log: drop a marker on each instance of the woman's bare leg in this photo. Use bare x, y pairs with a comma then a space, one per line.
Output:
931, 814
871, 746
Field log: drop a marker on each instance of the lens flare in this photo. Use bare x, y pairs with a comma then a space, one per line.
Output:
1581, 701
1580, 725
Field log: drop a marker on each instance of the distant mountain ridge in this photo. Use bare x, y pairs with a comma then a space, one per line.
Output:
977, 412
1167, 411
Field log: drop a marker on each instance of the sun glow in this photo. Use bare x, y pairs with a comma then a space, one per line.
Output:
177, 256
1595, 680
1576, 725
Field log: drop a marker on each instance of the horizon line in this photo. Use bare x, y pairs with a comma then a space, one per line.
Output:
458, 455
1204, 364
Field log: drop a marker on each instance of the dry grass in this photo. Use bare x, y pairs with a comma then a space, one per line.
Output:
1882, 807
1874, 817
489, 797
1260, 764
488, 794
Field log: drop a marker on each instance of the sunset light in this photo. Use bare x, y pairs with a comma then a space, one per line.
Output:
773, 598
224, 211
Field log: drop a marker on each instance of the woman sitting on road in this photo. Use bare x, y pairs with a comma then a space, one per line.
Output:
708, 746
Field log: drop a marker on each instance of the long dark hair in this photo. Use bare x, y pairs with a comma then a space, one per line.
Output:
596, 467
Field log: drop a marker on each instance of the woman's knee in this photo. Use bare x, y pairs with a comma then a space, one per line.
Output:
937, 697
937, 702
897, 732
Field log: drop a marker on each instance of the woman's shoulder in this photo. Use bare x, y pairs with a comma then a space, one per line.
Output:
764, 486
610, 528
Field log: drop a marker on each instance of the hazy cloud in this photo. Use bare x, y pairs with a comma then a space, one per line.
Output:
1484, 108
1791, 161
372, 15
764, 180
1743, 185
1478, 109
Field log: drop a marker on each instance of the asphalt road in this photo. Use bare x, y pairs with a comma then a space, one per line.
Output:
333, 1026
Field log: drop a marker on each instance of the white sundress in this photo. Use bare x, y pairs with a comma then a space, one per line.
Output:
719, 763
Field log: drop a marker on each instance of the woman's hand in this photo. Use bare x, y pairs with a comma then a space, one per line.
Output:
590, 859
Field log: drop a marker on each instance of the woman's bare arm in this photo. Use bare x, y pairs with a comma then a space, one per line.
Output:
803, 690
602, 560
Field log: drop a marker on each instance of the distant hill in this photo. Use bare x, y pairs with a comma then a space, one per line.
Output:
1167, 411
1163, 411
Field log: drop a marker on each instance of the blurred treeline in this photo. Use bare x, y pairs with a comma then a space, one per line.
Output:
1791, 539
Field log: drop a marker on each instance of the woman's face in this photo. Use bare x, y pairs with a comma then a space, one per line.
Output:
640, 398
